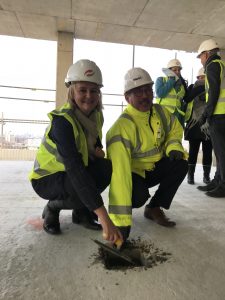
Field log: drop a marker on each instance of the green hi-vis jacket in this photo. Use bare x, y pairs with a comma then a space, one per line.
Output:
135, 143
48, 161
173, 100
220, 106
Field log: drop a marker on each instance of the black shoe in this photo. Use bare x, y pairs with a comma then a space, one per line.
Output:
51, 223
157, 215
209, 187
218, 192
206, 180
86, 218
190, 180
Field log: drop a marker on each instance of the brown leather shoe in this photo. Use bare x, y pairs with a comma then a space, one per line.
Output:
157, 215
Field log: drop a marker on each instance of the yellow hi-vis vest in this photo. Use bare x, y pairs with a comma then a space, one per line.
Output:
135, 142
48, 161
220, 106
173, 100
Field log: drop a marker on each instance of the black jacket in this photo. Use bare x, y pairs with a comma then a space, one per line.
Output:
62, 135
212, 70
193, 132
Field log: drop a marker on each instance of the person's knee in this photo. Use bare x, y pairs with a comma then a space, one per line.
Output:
182, 167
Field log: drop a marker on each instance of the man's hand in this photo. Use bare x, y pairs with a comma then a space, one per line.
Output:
110, 232
175, 155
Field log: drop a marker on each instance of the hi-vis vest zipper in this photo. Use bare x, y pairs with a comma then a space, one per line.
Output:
48, 161
220, 106
173, 99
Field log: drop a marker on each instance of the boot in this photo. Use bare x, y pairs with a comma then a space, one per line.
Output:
51, 220
157, 215
206, 172
209, 187
51, 215
191, 171
218, 192
86, 218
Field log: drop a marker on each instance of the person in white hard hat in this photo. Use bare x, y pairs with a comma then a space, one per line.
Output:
214, 112
198, 136
70, 170
172, 91
145, 148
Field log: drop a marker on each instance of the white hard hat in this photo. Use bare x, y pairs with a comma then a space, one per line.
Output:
207, 46
136, 77
84, 70
174, 63
201, 72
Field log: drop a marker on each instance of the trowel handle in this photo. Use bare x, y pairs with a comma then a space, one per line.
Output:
118, 243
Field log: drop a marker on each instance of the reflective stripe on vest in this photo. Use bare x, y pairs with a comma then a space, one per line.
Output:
120, 210
40, 171
52, 150
135, 152
69, 112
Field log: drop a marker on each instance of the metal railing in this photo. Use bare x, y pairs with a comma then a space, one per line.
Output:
20, 151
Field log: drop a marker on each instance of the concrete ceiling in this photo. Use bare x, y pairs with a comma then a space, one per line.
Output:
168, 24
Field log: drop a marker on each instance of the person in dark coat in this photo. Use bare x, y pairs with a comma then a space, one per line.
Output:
214, 112
197, 135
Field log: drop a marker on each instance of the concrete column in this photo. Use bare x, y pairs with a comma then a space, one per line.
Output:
64, 60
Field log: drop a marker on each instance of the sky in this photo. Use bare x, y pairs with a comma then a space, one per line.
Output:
31, 63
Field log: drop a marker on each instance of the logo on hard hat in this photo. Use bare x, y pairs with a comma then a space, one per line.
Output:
89, 73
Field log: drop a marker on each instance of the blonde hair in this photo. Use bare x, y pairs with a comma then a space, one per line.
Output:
71, 98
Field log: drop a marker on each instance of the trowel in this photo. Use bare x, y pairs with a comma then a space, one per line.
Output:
135, 260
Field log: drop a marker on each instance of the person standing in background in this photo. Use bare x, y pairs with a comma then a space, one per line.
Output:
171, 89
214, 112
197, 135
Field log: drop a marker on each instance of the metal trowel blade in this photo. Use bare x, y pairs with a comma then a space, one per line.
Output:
115, 252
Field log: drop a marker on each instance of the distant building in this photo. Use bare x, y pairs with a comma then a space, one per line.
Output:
33, 143
9, 137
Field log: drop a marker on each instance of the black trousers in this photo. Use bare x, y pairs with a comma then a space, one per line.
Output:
194, 146
59, 187
168, 174
217, 134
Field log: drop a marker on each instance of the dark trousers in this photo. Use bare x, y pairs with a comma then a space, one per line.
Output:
217, 133
194, 146
168, 174
59, 187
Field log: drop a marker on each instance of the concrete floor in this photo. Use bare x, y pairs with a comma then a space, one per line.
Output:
34, 265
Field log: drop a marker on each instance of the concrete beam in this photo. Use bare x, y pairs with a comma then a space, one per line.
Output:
64, 60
